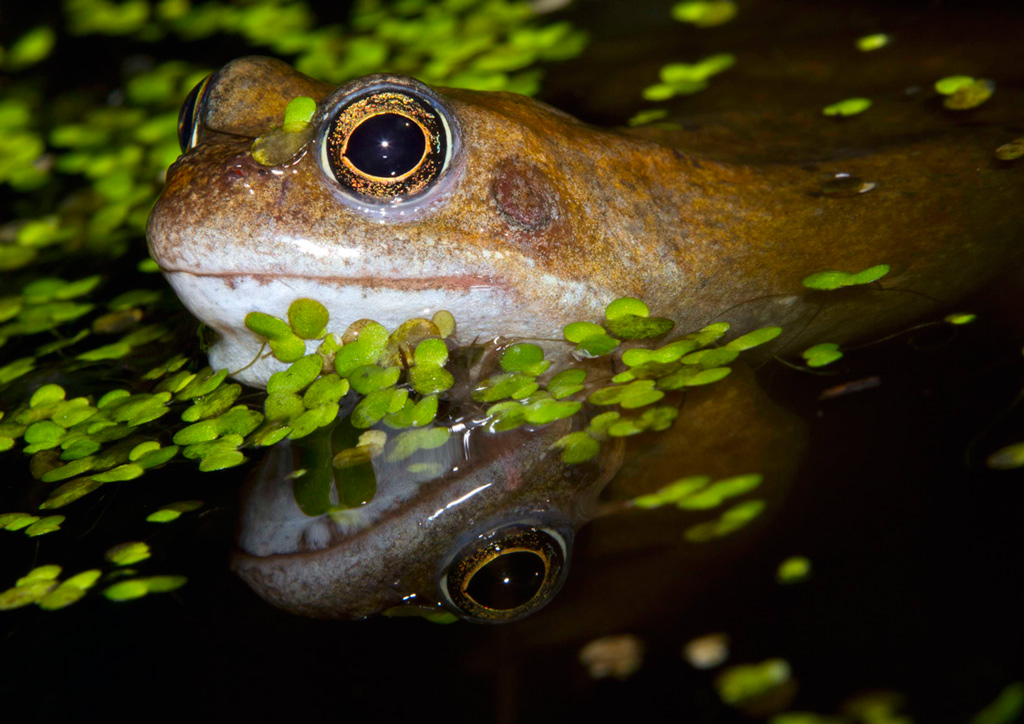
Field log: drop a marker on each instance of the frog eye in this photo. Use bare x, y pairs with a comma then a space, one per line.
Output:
507, 573
388, 145
190, 114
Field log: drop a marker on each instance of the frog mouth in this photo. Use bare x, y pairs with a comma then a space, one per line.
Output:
459, 283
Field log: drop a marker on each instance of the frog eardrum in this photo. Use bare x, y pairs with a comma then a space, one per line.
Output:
507, 573
387, 144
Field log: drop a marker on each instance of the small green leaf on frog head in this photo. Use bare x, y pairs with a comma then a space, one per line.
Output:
577, 447
868, 43
308, 318
298, 113
848, 107
822, 354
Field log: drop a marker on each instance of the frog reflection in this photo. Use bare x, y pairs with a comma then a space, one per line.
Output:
480, 526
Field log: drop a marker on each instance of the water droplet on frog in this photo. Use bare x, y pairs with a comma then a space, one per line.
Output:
843, 184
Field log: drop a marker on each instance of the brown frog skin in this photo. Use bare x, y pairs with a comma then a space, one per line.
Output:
540, 220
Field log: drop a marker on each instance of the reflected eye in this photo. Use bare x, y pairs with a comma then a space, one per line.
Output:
386, 146
188, 117
507, 573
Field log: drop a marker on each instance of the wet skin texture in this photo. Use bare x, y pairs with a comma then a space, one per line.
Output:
540, 220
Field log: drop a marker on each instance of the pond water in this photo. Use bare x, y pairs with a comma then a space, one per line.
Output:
877, 467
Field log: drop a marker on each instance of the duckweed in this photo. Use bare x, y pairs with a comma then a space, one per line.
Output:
867, 43
705, 13
793, 570
687, 79
833, 279
173, 511
822, 354
848, 107
747, 681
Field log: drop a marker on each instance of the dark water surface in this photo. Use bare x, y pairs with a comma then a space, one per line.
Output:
915, 544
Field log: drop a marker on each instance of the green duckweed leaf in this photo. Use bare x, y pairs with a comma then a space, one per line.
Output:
126, 554
76, 467
44, 525
567, 382
288, 349
868, 43
326, 390
156, 458
313, 419
596, 346
833, 279
970, 96
501, 386
69, 492
16, 369
126, 590
525, 358
370, 378
308, 318
128, 471
673, 492
546, 410
579, 331
720, 491
213, 404
297, 115
951, 84
17, 521
753, 339
267, 326
577, 447
204, 382
822, 354
431, 352
429, 379
173, 511
848, 107
47, 394
424, 438
298, 376
1007, 458
793, 570
221, 461
626, 306
708, 358
1010, 151
366, 349
960, 318
372, 408
628, 326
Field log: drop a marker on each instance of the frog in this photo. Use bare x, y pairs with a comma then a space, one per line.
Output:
518, 218
401, 200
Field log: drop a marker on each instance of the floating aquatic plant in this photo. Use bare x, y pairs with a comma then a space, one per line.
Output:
687, 78
705, 13
867, 43
793, 570
832, 279
848, 107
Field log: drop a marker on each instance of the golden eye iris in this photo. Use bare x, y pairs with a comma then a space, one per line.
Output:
387, 145
506, 574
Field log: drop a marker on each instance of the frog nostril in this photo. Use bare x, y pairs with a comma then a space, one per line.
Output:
524, 195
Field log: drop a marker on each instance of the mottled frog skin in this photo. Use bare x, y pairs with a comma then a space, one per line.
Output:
539, 220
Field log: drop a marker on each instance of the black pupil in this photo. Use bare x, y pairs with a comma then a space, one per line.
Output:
508, 581
386, 145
